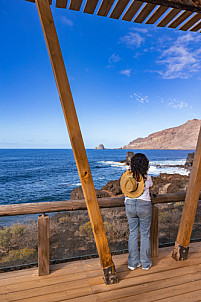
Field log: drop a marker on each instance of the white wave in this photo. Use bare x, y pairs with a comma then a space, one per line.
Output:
76, 184
113, 163
156, 167
156, 170
168, 162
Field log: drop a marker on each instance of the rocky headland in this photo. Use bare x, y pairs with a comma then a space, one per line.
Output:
183, 137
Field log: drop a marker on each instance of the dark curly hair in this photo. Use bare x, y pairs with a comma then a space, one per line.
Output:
139, 165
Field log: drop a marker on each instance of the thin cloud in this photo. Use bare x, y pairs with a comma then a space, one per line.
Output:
114, 58
126, 72
181, 59
140, 30
177, 104
140, 98
132, 39
67, 21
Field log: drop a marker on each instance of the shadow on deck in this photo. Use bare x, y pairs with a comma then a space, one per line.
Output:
167, 280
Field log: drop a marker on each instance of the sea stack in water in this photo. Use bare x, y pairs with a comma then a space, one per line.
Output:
129, 155
189, 161
100, 147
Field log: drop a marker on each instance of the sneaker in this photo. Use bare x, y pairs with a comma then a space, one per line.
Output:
133, 268
139, 264
146, 268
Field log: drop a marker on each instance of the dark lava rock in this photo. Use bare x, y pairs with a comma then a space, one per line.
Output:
162, 184
189, 161
100, 147
169, 183
129, 155
113, 187
77, 193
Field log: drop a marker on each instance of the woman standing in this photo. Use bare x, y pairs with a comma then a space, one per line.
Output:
135, 185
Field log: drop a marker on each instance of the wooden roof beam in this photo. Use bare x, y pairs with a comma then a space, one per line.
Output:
189, 5
50, 1
61, 3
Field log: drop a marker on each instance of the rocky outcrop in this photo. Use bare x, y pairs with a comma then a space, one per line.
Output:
183, 137
129, 155
189, 161
162, 184
77, 193
100, 147
113, 188
169, 183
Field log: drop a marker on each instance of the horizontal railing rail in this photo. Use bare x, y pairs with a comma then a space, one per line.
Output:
73, 205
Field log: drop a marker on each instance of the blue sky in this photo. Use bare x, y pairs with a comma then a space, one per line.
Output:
128, 80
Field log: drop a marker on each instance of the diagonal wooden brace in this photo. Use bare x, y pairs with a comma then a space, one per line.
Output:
74, 131
181, 248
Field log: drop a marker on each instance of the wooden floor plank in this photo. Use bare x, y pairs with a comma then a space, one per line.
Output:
46, 289
168, 280
38, 283
188, 297
168, 292
144, 277
153, 291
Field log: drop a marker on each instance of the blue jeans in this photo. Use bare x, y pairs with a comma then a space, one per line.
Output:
139, 212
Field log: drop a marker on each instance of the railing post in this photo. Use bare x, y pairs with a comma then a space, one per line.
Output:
154, 232
43, 245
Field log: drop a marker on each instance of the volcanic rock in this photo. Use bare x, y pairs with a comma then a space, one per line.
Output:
189, 161
100, 147
162, 184
169, 183
77, 193
113, 187
129, 155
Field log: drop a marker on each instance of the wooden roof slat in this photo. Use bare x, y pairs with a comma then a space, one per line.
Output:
132, 10
143, 14
188, 24
50, 1
75, 4
119, 8
171, 14
180, 19
90, 6
196, 27
157, 14
105, 7
61, 3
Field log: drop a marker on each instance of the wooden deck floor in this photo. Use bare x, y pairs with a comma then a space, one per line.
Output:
167, 280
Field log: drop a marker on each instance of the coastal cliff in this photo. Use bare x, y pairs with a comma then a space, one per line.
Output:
183, 137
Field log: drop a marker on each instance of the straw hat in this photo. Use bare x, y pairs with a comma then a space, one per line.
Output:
130, 186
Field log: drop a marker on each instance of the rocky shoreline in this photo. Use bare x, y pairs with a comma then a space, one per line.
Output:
162, 184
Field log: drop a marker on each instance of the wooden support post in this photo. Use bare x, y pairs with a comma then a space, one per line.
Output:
43, 245
154, 232
181, 248
75, 135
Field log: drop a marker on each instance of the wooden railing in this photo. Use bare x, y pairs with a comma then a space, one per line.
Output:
73, 205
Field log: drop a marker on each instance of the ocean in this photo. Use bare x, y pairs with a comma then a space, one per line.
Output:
50, 175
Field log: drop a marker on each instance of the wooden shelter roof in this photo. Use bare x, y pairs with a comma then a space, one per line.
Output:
182, 14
